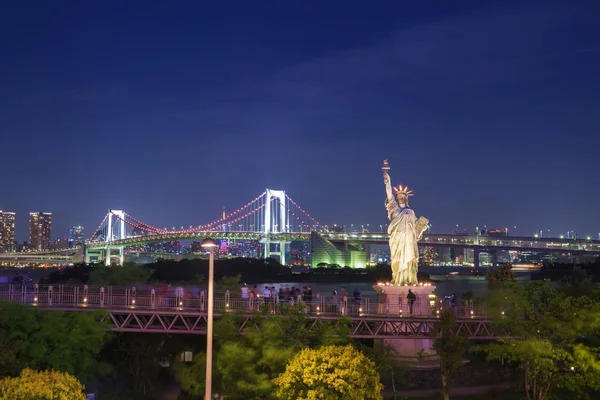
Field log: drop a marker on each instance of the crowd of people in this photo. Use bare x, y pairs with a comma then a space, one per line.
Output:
254, 298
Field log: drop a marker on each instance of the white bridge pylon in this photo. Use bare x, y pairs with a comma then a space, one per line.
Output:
275, 222
112, 228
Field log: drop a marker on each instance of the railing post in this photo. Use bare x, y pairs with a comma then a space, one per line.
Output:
179, 297
152, 299
36, 292
60, 294
85, 294
11, 288
202, 300
50, 295
102, 297
227, 296
76, 295
23, 293
132, 294
345, 305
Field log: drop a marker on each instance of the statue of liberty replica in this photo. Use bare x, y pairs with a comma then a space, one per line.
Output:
404, 297
405, 231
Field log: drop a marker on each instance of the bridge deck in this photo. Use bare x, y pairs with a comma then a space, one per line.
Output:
156, 310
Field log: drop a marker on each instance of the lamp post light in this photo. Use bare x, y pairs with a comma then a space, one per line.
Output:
209, 244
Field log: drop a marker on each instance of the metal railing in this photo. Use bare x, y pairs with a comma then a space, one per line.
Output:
195, 300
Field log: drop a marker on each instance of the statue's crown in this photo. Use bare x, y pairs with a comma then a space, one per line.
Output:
403, 191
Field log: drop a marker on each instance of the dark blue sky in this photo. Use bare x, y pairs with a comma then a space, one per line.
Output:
173, 110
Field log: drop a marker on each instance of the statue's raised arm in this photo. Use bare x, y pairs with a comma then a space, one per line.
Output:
387, 181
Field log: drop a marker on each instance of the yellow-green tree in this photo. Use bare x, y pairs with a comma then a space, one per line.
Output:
41, 385
329, 373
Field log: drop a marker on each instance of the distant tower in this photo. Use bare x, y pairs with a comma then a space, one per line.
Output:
224, 215
40, 230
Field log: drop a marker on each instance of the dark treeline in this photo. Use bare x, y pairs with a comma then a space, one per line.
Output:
569, 272
195, 272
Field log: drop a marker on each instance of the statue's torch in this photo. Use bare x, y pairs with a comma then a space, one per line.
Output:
385, 167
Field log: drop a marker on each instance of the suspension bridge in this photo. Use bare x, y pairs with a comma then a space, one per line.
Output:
272, 218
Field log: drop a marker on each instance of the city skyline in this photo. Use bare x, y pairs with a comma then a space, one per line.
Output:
172, 113
75, 234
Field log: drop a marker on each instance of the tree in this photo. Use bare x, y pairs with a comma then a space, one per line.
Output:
330, 372
551, 338
128, 273
450, 348
497, 276
63, 341
41, 385
244, 365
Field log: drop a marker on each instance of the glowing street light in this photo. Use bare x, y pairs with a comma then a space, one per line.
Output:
209, 244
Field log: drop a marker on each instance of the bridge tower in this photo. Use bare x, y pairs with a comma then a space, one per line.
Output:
116, 231
111, 229
275, 221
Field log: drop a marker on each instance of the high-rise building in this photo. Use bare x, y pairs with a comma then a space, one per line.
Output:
40, 230
7, 231
76, 236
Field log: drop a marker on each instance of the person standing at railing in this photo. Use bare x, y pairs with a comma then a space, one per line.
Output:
245, 297
334, 302
267, 296
357, 299
274, 298
255, 296
343, 295
411, 300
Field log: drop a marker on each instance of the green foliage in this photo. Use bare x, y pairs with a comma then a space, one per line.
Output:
450, 347
127, 274
244, 365
329, 373
578, 283
68, 342
137, 358
550, 337
191, 376
497, 276
41, 385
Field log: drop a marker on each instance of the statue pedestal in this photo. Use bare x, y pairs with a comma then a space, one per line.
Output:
393, 301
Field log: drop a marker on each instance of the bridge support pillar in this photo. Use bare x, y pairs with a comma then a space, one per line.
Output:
86, 255
494, 257
121, 255
476, 258
282, 259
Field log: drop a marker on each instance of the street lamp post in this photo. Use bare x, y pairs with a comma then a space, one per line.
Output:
209, 244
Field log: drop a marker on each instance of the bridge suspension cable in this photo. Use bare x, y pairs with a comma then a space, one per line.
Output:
274, 205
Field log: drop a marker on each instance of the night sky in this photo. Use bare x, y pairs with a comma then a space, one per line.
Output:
173, 110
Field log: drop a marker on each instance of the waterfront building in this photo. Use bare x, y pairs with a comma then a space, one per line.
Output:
7, 231
76, 236
40, 230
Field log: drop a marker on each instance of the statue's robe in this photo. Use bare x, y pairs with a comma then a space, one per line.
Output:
404, 250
